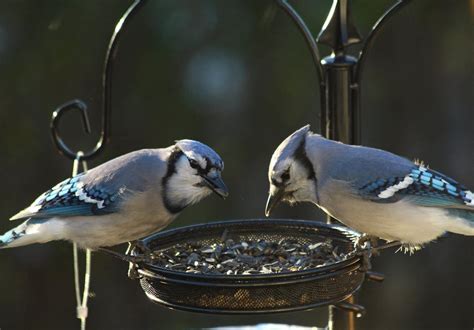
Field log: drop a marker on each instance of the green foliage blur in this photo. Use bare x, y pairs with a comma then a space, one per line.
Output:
237, 75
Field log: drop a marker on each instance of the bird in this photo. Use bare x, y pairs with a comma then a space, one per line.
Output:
121, 200
372, 191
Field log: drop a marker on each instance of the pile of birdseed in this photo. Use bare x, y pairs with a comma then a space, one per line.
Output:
247, 257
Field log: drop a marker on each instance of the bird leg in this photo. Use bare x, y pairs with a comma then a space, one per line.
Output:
132, 272
132, 260
124, 257
367, 246
367, 241
366, 263
145, 250
145, 256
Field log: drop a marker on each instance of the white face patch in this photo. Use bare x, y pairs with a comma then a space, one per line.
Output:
390, 191
299, 186
276, 172
185, 186
303, 187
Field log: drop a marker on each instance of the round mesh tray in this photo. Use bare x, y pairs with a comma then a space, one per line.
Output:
259, 293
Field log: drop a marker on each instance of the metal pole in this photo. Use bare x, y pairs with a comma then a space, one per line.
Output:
340, 113
339, 76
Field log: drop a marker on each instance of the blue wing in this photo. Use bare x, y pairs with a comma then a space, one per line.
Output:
422, 186
73, 198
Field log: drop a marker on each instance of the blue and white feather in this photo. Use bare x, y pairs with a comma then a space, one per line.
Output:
370, 190
422, 186
72, 197
122, 200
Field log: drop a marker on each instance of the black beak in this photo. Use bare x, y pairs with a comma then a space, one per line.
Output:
216, 185
273, 199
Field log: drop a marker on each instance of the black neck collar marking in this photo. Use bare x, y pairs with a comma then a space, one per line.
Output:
172, 160
302, 157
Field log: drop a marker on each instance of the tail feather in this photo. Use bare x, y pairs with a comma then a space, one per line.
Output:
29, 232
465, 221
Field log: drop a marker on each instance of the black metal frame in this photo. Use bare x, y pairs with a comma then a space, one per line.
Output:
106, 96
154, 276
339, 76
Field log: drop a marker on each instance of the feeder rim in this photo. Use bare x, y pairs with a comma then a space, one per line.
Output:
150, 270
172, 231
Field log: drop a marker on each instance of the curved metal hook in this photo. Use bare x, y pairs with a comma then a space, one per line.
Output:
56, 118
106, 96
373, 33
310, 40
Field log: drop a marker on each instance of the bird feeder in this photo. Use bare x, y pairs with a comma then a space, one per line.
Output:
339, 77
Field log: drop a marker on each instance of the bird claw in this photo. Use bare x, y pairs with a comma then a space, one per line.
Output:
132, 272
139, 245
366, 245
366, 254
366, 241
134, 260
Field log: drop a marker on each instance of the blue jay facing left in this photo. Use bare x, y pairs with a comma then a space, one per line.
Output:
122, 200
370, 190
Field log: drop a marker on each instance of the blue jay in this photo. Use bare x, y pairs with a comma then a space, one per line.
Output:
122, 200
370, 190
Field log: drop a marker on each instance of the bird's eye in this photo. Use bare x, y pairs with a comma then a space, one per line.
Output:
193, 163
285, 176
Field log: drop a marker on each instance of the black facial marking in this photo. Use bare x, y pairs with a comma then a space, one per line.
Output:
285, 177
171, 207
201, 171
193, 163
208, 165
174, 156
300, 155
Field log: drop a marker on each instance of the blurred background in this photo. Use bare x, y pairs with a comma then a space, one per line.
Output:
237, 75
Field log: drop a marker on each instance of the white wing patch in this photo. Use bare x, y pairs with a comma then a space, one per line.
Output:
82, 195
390, 191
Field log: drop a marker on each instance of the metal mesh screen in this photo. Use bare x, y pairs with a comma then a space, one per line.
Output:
253, 293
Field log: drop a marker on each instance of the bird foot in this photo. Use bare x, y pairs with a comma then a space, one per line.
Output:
366, 245
133, 260
126, 257
368, 242
138, 245
366, 254
133, 273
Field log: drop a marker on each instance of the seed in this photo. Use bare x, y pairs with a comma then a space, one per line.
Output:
246, 257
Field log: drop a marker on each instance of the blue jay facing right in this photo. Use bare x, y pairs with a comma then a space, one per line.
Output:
370, 190
122, 200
